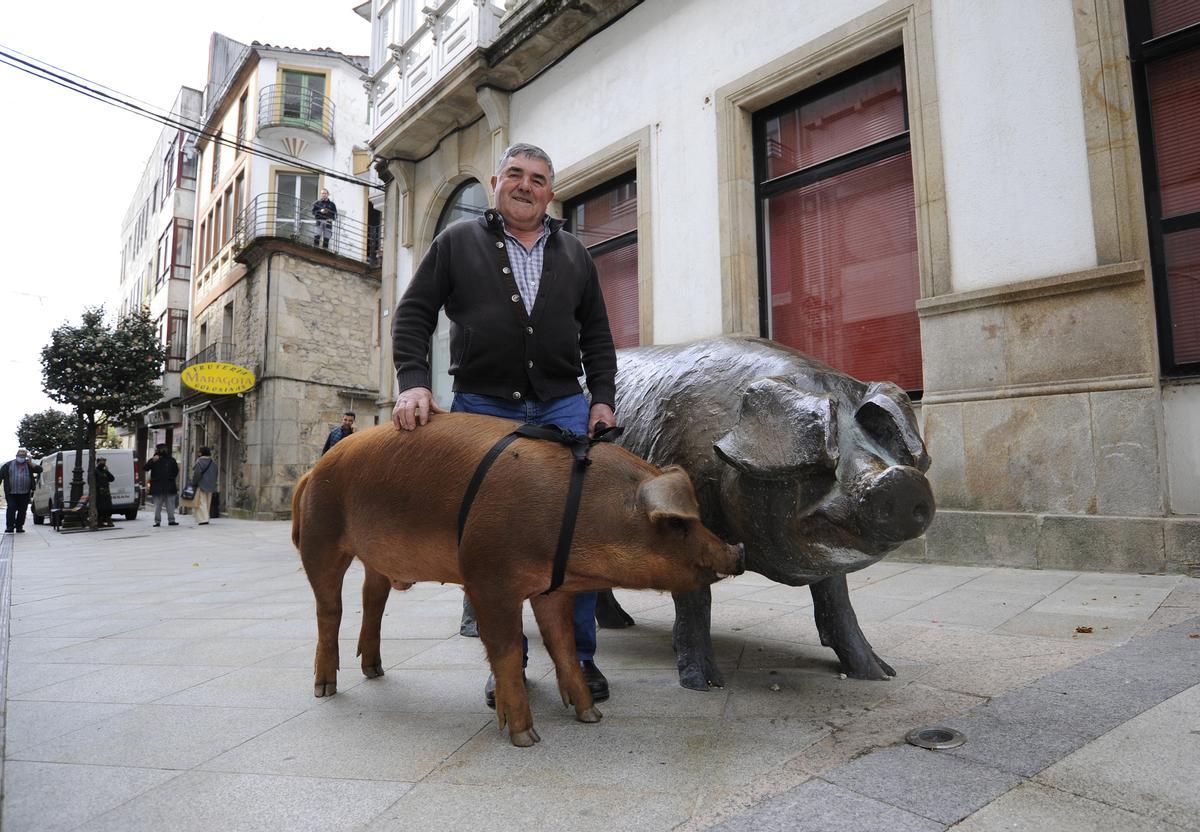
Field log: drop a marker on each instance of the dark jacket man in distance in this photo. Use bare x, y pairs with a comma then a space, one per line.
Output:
340, 432
18, 476
527, 318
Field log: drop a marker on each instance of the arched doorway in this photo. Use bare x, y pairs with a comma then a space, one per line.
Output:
467, 202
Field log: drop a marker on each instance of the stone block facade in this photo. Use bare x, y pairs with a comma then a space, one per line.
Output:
307, 324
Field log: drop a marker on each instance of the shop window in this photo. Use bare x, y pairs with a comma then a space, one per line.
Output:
839, 274
1164, 45
605, 220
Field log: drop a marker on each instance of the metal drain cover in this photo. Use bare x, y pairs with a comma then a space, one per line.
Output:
935, 739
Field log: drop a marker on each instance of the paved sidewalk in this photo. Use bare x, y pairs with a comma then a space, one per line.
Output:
161, 679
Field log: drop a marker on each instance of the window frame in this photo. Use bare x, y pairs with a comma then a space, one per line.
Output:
622, 240
1145, 50
860, 157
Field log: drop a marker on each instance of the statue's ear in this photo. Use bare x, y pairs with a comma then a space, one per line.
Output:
886, 414
781, 430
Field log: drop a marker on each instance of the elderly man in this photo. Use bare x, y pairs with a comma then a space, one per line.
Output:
527, 319
18, 486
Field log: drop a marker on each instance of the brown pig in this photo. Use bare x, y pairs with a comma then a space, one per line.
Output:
391, 498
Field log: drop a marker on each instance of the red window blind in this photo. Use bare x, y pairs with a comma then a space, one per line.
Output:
843, 272
859, 114
605, 220
1182, 253
1174, 93
839, 234
1167, 16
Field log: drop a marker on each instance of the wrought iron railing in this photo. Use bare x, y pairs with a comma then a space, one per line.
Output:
285, 105
284, 216
216, 351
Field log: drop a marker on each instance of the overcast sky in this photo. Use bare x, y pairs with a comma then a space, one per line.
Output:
71, 164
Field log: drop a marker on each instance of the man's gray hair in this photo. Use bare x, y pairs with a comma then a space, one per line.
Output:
530, 150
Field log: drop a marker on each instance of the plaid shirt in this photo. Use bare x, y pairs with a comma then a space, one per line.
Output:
527, 265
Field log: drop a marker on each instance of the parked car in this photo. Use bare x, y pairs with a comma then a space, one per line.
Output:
53, 488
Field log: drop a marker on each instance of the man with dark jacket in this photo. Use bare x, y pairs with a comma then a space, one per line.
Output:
163, 471
18, 487
324, 211
527, 319
340, 432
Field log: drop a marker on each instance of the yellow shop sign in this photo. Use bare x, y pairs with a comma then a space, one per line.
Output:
217, 377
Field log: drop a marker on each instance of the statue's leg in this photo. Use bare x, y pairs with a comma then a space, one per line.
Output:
609, 614
692, 641
467, 626
838, 628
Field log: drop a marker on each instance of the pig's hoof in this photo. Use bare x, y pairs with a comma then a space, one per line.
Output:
700, 676
324, 689
373, 671
867, 666
524, 739
592, 714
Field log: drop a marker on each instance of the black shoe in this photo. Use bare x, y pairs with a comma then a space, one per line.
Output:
156, 525
20, 531
596, 682
489, 690
170, 523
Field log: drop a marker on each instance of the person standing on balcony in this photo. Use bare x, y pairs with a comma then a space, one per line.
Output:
340, 432
325, 212
527, 318
163, 471
17, 475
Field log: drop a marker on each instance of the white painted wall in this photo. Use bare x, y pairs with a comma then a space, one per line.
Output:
1181, 419
1013, 138
655, 67
1015, 155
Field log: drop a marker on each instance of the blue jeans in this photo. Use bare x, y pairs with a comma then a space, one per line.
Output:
571, 413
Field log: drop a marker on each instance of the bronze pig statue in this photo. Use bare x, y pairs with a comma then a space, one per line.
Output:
818, 474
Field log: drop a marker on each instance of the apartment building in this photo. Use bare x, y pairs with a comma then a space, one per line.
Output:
990, 204
294, 302
156, 262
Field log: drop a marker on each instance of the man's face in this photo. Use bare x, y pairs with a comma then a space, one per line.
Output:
324, 194
523, 191
347, 422
22, 455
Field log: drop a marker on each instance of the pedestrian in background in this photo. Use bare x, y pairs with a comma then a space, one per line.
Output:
204, 480
340, 432
103, 493
163, 471
18, 474
325, 212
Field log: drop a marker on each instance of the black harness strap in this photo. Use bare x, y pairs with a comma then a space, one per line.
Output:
580, 447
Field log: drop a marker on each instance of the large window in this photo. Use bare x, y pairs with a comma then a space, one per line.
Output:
1164, 43
304, 98
294, 195
837, 224
605, 220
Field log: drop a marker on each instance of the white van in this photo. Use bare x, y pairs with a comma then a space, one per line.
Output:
54, 484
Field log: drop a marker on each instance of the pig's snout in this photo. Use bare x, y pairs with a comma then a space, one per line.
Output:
732, 561
897, 504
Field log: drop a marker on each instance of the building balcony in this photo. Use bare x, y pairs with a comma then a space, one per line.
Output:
286, 111
410, 63
426, 71
279, 216
216, 351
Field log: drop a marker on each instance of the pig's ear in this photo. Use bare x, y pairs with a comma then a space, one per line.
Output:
781, 430
670, 494
887, 415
